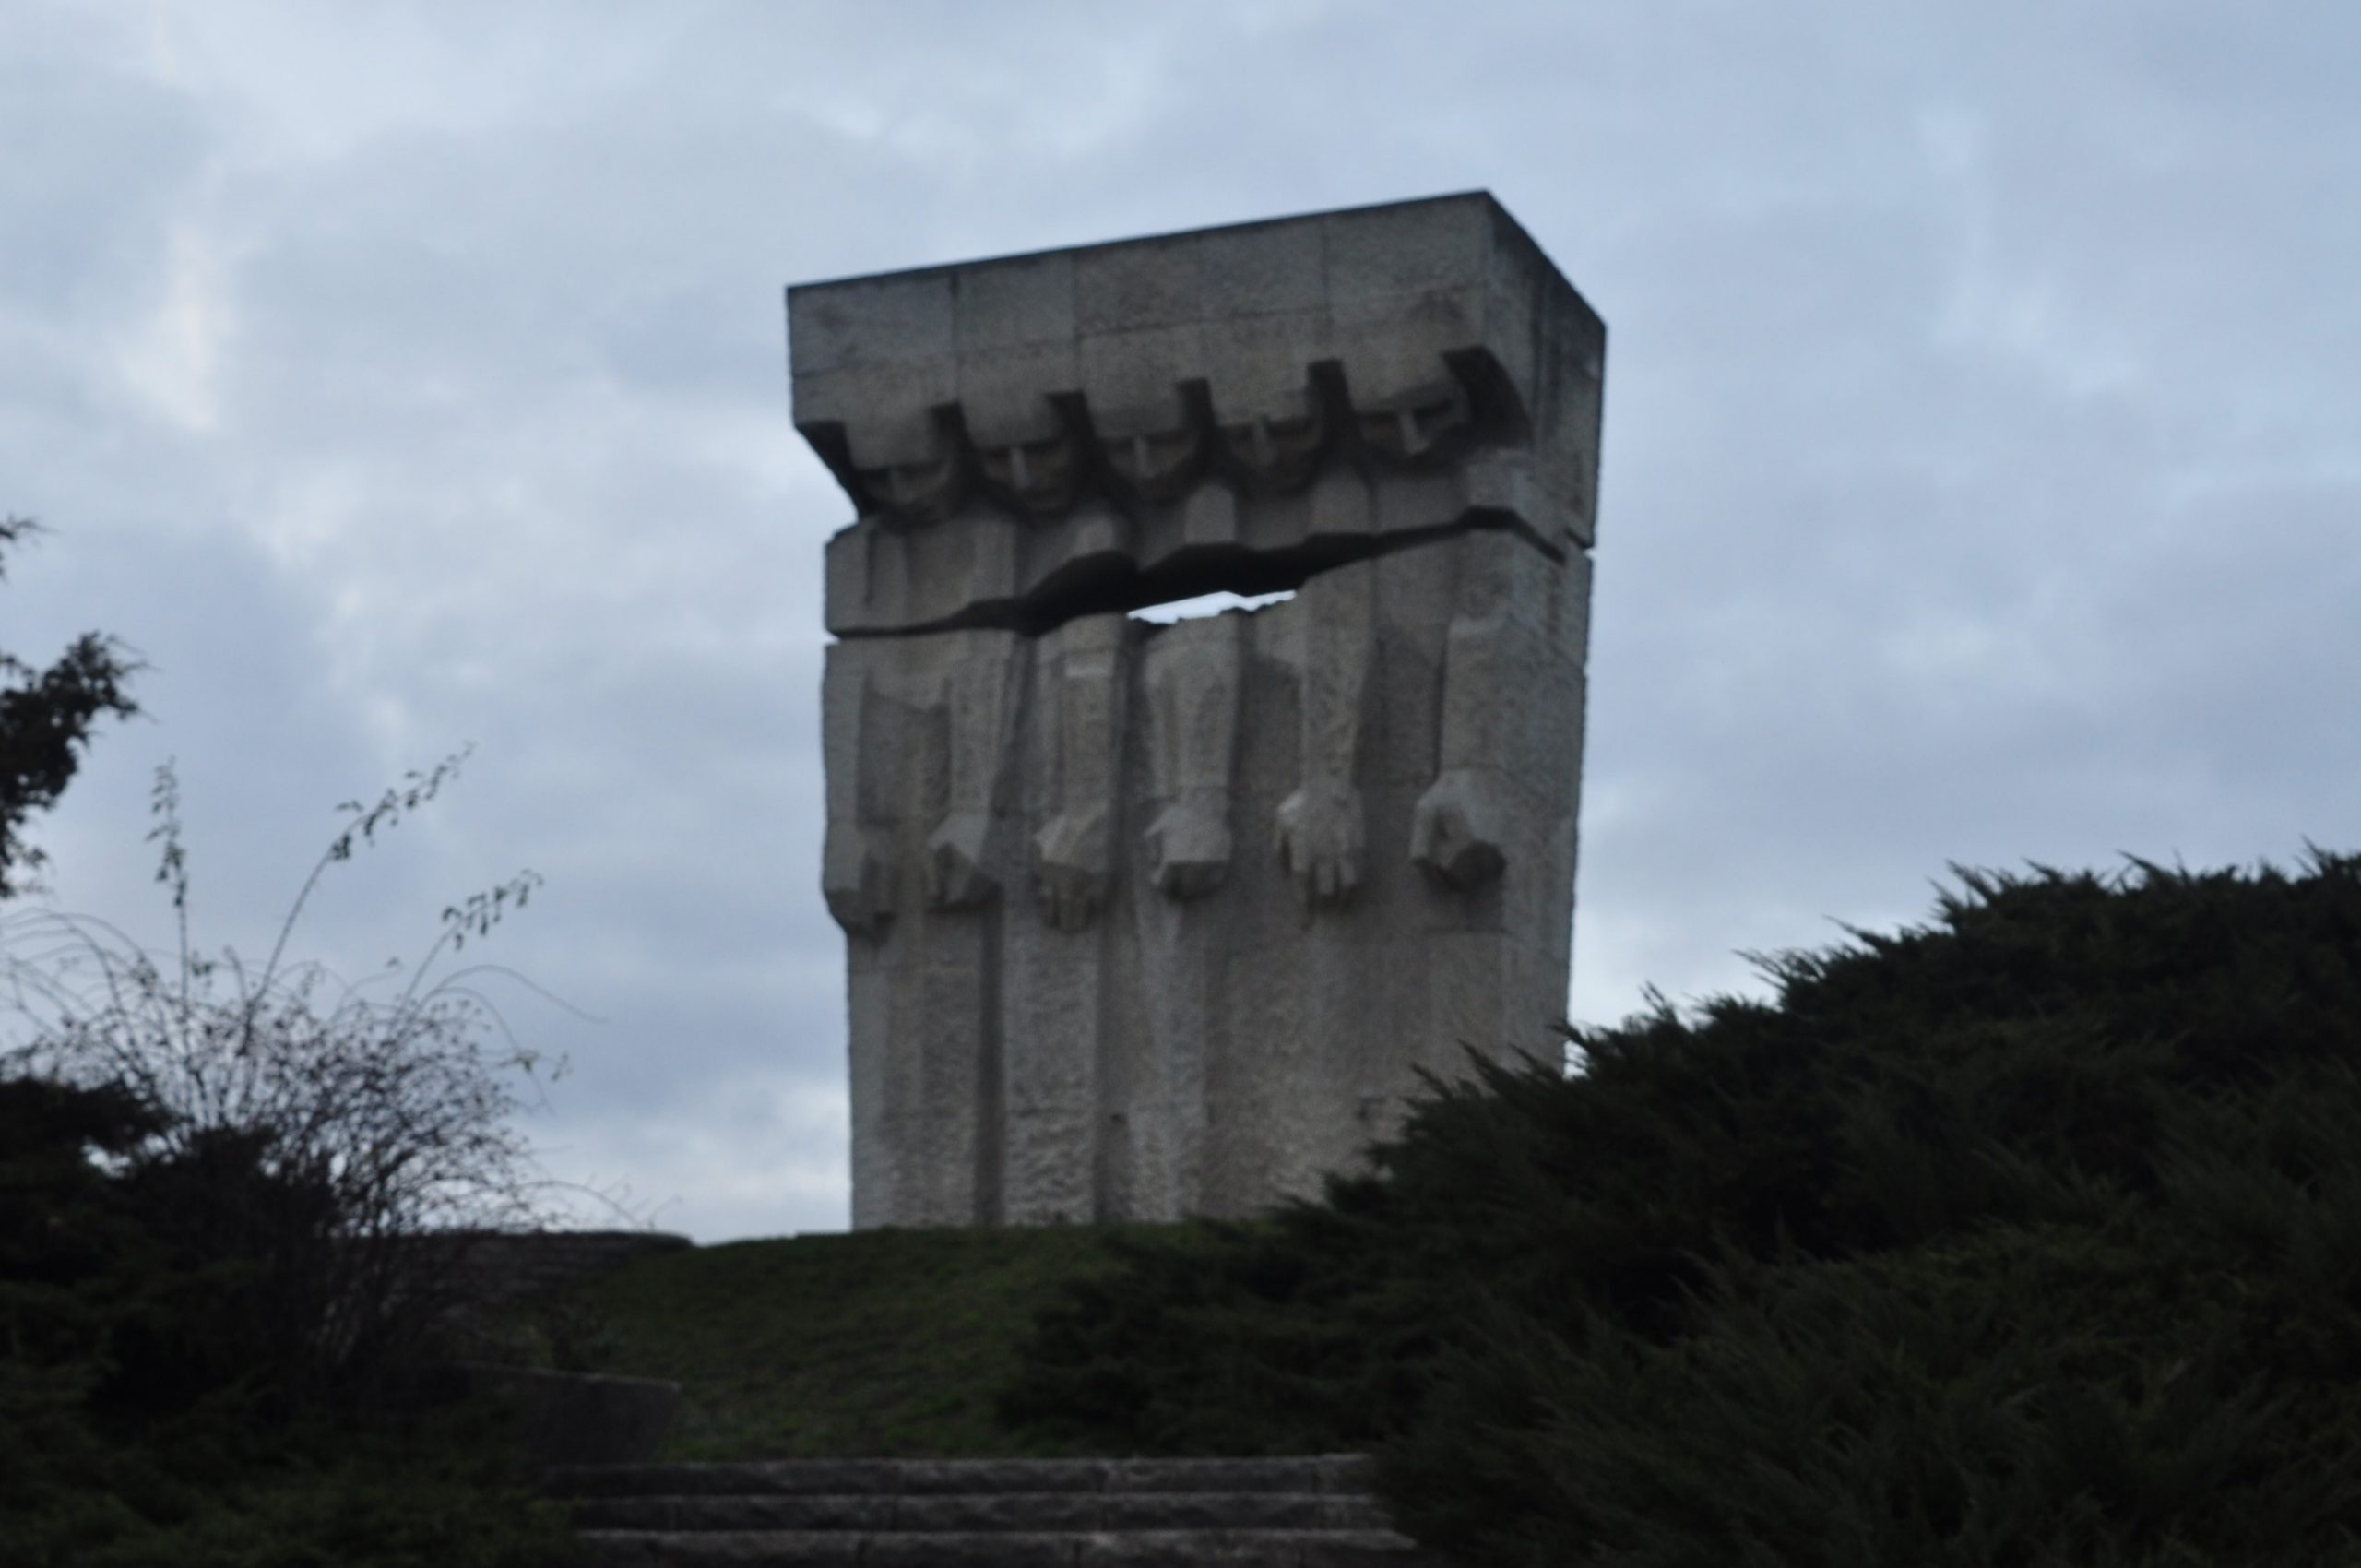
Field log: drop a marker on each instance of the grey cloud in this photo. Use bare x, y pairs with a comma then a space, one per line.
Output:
1979, 484
95, 161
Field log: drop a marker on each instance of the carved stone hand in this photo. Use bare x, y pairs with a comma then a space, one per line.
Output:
1457, 829
858, 881
955, 877
1188, 848
1321, 840
1074, 866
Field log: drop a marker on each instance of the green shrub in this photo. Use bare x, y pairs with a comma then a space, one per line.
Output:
2031, 1236
142, 1418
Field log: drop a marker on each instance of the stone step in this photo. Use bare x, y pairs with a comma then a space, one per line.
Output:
1043, 1548
1315, 1511
1326, 1475
980, 1511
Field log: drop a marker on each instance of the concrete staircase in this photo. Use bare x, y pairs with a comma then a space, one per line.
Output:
1309, 1512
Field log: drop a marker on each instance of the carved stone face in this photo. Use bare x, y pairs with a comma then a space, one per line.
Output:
1279, 451
1037, 476
926, 491
1158, 465
1428, 424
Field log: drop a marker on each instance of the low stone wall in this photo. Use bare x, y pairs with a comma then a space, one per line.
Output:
498, 1268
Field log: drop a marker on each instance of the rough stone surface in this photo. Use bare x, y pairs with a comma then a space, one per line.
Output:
1270, 1513
1152, 920
499, 1267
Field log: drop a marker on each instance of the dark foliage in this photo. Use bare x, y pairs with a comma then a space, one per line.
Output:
304, 1134
146, 1415
213, 1337
46, 716
2032, 1236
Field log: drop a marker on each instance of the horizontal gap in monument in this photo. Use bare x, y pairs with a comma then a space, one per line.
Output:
1111, 584
1207, 604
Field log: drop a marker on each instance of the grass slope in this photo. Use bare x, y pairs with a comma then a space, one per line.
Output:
883, 1343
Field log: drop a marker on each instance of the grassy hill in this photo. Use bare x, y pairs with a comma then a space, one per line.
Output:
881, 1343
2028, 1236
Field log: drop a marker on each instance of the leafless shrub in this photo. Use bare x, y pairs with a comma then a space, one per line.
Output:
313, 1130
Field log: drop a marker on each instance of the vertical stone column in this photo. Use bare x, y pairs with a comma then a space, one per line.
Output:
1057, 961
1192, 676
1322, 839
916, 743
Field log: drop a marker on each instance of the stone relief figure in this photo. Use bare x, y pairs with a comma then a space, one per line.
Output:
1083, 685
1322, 839
1191, 676
1056, 951
1142, 919
920, 839
858, 874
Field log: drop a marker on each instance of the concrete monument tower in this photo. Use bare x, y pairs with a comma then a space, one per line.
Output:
1151, 920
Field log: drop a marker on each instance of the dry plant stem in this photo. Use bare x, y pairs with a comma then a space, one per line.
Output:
398, 1114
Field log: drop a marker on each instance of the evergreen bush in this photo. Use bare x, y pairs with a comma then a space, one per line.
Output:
2029, 1236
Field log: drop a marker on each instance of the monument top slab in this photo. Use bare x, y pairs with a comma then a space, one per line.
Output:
1274, 266
1394, 317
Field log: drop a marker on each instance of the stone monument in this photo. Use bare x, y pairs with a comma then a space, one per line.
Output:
1146, 920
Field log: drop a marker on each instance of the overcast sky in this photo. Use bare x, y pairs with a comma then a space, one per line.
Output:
1981, 481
